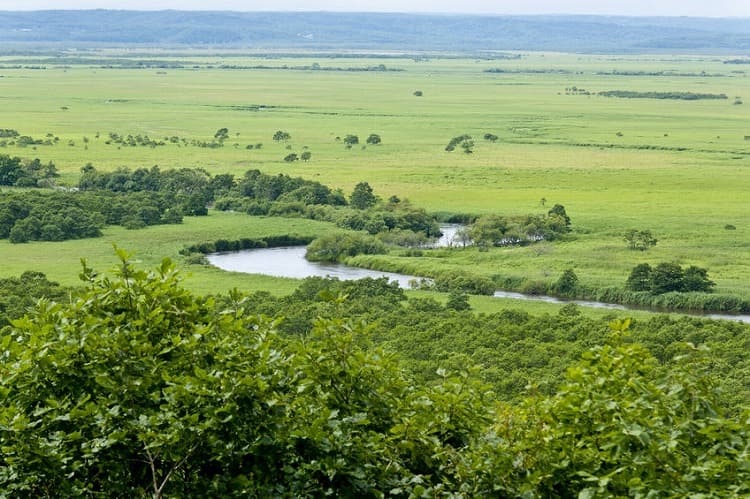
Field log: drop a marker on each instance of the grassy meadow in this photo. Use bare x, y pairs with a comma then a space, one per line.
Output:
679, 168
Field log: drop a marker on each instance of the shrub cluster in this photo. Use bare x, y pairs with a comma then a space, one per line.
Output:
337, 247
496, 230
463, 140
668, 277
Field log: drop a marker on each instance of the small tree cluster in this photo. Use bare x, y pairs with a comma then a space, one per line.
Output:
668, 277
222, 134
464, 141
640, 240
281, 136
497, 230
337, 247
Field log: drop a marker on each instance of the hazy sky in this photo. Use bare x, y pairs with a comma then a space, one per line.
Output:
712, 8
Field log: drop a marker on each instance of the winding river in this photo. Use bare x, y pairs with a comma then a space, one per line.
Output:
289, 261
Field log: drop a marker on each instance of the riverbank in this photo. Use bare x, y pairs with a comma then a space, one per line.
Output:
290, 262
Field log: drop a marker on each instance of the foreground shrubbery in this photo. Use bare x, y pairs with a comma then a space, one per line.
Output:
138, 388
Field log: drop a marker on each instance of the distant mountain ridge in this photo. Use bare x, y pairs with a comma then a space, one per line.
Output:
369, 31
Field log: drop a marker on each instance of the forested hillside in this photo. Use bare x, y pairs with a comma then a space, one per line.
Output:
367, 31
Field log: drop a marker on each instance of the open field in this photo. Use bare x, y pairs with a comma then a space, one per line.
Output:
680, 168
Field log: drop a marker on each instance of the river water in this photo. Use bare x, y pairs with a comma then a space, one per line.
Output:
289, 261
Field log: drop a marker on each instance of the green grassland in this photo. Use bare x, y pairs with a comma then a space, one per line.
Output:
678, 168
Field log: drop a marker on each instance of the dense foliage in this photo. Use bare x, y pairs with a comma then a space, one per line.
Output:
138, 388
62, 215
513, 348
496, 230
668, 277
46, 216
280, 195
188, 190
338, 246
24, 173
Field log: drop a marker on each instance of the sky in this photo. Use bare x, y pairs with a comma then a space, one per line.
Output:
698, 8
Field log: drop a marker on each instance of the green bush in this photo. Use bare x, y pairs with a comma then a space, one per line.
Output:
463, 282
338, 246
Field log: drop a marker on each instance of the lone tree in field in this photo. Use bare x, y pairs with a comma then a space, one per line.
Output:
222, 134
351, 140
640, 240
281, 136
362, 196
373, 139
305, 156
291, 158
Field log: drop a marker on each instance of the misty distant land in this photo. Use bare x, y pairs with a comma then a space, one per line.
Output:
328, 31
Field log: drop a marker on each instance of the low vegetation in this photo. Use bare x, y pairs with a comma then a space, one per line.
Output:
630, 94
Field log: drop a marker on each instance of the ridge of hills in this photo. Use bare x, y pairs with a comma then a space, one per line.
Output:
372, 31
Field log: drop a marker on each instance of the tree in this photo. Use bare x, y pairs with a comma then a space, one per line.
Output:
362, 196
458, 300
567, 283
373, 139
418, 93
696, 279
305, 156
640, 278
280, 136
666, 277
290, 158
640, 240
559, 210
221, 134
351, 140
